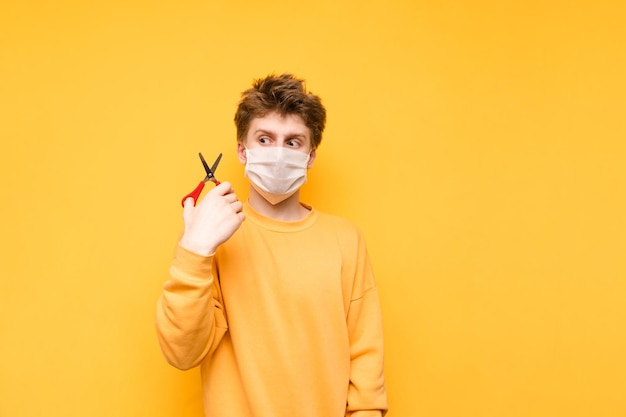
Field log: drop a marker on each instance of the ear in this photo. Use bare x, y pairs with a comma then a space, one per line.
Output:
312, 156
241, 153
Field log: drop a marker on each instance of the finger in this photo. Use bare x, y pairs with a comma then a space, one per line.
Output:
237, 206
231, 198
222, 189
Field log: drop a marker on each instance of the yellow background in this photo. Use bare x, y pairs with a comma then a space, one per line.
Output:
480, 145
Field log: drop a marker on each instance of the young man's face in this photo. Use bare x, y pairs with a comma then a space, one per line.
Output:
277, 130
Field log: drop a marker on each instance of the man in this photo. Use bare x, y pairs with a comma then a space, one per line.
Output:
281, 310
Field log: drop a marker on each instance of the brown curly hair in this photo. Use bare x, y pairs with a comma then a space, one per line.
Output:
286, 95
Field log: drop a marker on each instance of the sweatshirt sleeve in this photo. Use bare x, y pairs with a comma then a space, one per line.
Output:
190, 319
367, 395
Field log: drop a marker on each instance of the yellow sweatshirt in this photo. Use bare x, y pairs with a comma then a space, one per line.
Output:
284, 320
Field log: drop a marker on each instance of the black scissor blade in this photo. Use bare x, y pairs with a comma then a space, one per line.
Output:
208, 170
216, 163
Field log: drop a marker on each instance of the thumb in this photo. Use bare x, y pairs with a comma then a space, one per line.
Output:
187, 209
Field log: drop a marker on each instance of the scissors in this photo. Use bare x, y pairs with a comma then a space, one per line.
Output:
210, 176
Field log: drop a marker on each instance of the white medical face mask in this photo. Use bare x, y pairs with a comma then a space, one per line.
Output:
276, 172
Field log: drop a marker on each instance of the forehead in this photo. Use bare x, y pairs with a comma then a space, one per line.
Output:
279, 125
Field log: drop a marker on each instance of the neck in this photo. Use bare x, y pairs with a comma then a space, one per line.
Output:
289, 209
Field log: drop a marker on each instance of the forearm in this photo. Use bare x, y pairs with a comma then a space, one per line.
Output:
366, 394
189, 318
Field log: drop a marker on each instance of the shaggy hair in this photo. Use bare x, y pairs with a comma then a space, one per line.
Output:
286, 95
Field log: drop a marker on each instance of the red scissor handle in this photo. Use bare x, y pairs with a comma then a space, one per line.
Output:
194, 194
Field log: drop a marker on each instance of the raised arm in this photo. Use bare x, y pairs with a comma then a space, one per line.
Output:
190, 318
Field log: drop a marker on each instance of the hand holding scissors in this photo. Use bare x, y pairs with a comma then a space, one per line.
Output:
210, 176
215, 219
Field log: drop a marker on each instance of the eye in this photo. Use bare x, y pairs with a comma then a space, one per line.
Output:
293, 143
264, 140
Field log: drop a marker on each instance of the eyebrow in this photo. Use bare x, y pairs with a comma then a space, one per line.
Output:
289, 135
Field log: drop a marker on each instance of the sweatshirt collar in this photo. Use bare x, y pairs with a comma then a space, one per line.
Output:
280, 225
